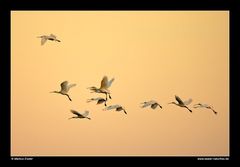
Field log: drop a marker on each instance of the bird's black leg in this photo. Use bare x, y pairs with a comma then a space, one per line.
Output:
106, 96
109, 96
106, 100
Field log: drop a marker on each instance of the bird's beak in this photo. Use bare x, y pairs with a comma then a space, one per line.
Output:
170, 103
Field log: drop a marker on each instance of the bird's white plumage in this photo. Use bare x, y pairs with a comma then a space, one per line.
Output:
43, 41
110, 82
181, 103
65, 87
53, 36
199, 105
148, 103
188, 102
85, 113
80, 115
112, 107
44, 38
75, 112
71, 85
105, 84
117, 107
95, 99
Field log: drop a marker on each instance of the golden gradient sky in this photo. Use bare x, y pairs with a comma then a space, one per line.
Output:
151, 55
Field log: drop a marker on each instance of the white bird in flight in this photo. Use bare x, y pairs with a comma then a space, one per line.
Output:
105, 84
117, 107
151, 103
99, 100
181, 103
64, 89
83, 115
50, 37
200, 105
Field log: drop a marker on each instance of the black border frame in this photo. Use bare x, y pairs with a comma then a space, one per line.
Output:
5, 66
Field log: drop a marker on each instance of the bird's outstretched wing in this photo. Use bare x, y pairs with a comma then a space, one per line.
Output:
85, 113
154, 105
145, 104
53, 36
71, 85
43, 40
110, 82
179, 100
104, 83
153, 101
95, 99
75, 112
112, 107
188, 102
200, 105
64, 86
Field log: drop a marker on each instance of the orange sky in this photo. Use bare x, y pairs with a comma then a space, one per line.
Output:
151, 55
